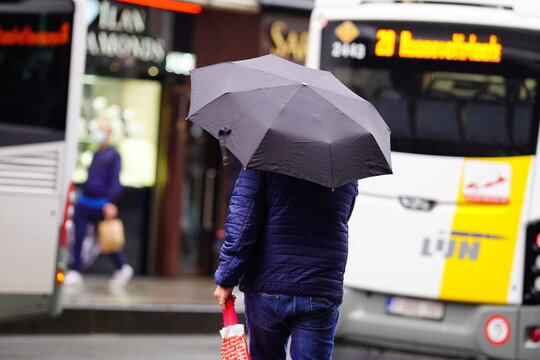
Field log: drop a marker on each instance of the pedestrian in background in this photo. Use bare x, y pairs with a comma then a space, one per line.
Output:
286, 246
95, 203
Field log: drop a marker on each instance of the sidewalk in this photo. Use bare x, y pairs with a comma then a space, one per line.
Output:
184, 305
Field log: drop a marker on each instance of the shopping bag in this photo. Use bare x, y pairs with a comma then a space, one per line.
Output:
90, 246
111, 235
234, 346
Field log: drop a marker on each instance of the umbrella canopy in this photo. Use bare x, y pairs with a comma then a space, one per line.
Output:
278, 116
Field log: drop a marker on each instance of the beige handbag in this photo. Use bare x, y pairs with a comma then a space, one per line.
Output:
111, 235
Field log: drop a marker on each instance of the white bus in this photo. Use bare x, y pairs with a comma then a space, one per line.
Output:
445, 253
42, 53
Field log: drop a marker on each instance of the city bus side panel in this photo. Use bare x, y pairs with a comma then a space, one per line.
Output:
36, 165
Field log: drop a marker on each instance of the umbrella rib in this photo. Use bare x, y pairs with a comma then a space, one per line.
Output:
269, 73
285, 105
324, 72
235, 92
347, 116
355, 96
277, 116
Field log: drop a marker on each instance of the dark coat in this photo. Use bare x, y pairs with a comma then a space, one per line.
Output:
286, 236
104, 175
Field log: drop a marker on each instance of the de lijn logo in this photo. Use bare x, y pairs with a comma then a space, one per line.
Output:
457, 245
344, 47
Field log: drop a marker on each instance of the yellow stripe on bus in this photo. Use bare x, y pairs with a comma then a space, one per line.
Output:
483, 241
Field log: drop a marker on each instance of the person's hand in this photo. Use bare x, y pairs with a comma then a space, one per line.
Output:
110, 211
222, 294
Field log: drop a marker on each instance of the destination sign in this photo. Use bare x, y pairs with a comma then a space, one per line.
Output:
26, 36
369, 41
459, 48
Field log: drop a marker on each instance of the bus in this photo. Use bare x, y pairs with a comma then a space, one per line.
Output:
444, 255
42, 51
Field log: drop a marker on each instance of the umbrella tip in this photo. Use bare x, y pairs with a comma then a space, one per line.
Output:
304, 83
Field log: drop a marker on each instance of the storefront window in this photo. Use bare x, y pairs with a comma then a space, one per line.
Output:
132, 108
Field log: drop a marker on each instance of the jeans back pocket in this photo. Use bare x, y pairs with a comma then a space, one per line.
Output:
323, 313
262, 308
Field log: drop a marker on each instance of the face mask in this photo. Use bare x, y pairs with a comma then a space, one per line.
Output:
99, 137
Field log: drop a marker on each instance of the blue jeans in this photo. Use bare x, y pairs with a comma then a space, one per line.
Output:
272, 318
82, 216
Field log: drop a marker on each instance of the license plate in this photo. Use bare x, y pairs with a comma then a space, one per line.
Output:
425, 309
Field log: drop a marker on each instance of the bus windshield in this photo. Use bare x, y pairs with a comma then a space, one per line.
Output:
439, 107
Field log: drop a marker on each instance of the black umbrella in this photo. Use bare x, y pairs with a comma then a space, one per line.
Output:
278, 116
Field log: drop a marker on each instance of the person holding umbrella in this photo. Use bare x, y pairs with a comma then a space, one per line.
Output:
286, 244
305, 140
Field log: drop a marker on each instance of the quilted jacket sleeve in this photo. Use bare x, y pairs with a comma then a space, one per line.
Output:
243, 226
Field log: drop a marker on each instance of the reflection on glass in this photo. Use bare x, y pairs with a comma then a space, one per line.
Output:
131, 107
450, 112
193, 197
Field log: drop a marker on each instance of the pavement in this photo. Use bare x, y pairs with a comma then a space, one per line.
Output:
156, 318
110, 347
182, 305
155, 347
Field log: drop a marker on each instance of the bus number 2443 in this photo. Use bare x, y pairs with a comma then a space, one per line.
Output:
348, 50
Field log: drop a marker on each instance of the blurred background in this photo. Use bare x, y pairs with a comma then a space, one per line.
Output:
444, 258
137, 66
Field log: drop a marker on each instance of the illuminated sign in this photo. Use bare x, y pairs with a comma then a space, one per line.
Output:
122, 34
458, 49
347, 32
288, 44
173, 5
28, 37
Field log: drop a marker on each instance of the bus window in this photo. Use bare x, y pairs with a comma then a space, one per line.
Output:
485, 123
522, 124
35, 78
450, 113
442, 127
395, 111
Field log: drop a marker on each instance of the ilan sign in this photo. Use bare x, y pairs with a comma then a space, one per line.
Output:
122, 33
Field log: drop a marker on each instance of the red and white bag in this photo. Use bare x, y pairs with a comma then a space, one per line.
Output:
234, 346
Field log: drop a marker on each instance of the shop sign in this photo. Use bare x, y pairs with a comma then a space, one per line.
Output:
285, 34
288, 44
122, 34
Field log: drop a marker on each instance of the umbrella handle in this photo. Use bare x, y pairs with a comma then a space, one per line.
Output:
222, 133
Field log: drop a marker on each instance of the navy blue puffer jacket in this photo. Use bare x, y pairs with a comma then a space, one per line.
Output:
286, 236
